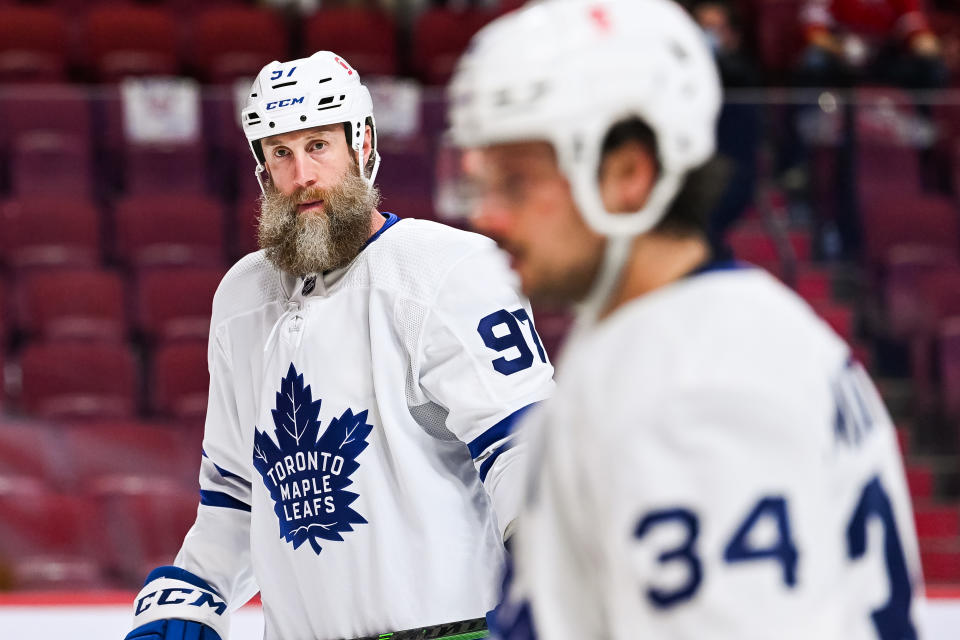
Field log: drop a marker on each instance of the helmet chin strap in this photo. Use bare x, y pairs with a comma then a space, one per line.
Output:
616, 253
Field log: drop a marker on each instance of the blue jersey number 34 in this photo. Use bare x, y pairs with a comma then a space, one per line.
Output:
892, 621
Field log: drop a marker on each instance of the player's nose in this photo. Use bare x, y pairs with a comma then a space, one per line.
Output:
491, 218
304, 171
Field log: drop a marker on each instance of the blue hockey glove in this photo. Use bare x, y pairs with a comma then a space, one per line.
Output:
174, 604
173, 630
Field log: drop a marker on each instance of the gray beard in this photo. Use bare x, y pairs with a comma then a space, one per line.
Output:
317, 242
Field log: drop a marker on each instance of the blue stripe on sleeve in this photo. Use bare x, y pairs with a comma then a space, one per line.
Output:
488, 463
495, 433
220, 499
223, 472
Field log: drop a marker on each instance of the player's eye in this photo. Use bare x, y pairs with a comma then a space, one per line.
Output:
318, 145
280, 152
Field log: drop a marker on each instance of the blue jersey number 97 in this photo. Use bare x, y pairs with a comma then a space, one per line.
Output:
511, 337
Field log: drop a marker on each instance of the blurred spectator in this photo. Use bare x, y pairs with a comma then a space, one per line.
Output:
738, 128
885, 41
721, 26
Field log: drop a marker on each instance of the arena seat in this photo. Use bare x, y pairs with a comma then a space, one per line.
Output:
174, 303
72, 304
48, 539
233, 42
892, 216
159, 169
45, 108
179, 381
169, 230
45, 231
440, 35
148, 517
33, 44
365, 37
29, 451
903, 267
51, 163
130, 40
105, 449
68, 380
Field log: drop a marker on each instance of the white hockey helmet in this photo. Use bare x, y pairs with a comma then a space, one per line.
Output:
309, 92
566, 71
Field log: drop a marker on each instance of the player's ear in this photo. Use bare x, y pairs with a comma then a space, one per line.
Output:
627, 175
367, 144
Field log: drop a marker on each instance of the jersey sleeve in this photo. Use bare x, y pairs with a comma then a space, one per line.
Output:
480, 358
217, 547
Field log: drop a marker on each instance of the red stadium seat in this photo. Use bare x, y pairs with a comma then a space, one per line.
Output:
29, 450
48, 539
904, 265
180, 381
148, 517
114, 449
440, 35
169, 230
62, 304
891, 217
814, 285
69, 380
51, 163
839, 317
937, 520
130, 40
236, 42
33, 44
941, 561
47, 132
365, 37
157, 169
174, 304
50, 231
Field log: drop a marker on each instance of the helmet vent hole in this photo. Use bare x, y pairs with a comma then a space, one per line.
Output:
272, 125
253, 95
303, 118
285, 84
322, 80
326, 100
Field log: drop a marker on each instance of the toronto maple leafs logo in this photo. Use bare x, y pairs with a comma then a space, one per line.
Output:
308, 473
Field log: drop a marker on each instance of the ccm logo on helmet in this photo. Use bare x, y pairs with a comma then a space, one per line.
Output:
277, 104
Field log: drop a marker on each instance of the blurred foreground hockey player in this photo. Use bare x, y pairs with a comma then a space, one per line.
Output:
365, 374
716, 464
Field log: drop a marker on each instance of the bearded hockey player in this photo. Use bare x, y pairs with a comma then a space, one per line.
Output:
365, 374
717, 466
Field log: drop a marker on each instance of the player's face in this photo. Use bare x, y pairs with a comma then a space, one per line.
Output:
315, 214
525, 204
310, 158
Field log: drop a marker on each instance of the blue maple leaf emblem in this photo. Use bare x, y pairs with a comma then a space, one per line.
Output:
307, 474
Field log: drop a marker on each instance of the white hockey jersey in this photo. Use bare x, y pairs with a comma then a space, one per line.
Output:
715, 468
358, 468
